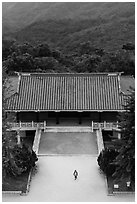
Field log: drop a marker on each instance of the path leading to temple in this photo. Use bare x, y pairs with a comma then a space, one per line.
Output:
62, 153
54, 182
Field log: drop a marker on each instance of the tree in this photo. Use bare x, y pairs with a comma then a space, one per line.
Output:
125, 161
88, 48
87, 63
46, 63
8, 138
21, 159
23, 62
16, 159
129, 46
105, 160
119, 61
42, 50
6, 44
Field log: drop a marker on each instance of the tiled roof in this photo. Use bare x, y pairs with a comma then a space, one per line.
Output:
67, 92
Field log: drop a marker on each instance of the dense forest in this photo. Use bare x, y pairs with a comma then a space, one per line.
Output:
40, 57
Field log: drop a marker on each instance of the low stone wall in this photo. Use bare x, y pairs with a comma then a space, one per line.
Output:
99, 140
12, 192
68, 129
28, 185
37, 141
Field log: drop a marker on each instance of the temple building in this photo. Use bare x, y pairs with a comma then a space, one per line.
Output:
41, 97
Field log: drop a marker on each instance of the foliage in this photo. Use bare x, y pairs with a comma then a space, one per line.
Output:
129, 46
86, 58
46, 63
88, 48
15, 159
105, 161
8, 138
42, 50
6, 44
21, 159
120, 61
87, 63
125, 161
22, 62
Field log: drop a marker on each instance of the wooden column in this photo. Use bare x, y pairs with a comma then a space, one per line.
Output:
100, 117
37, 116
17, 117
57, 118
6, 114
80, 118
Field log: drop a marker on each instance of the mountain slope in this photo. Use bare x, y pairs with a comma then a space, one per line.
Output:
21, 14
66, 25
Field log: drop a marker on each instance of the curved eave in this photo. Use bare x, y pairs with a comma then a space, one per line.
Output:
122, 110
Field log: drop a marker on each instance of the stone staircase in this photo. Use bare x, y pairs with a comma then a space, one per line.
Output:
68, 129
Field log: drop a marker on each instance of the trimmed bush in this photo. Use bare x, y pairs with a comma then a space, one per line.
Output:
21, 159
106, 161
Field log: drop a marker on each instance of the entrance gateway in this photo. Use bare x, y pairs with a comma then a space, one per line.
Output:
79, 116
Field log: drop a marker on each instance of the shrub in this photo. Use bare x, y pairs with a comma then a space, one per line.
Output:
21, 159
105, 161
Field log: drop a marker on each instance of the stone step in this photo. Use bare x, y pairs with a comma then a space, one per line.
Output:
69, 129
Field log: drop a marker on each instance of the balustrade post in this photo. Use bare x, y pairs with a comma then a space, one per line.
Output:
99, 127
117, 124
44, 126
18, 137
32, 124
20, 124
92, 127
104, 124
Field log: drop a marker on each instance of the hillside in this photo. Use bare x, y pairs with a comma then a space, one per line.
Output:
66, 25
21, 14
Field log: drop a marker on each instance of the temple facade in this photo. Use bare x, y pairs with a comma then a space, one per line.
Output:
42, 97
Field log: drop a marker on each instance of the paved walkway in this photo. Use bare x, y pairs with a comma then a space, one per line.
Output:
54, 182
68, 143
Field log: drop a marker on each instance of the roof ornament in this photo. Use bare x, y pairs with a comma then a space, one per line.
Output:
26, 74
115, 73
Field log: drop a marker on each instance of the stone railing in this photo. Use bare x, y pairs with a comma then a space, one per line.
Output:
104, 125
99, 141
42, 125
27, 125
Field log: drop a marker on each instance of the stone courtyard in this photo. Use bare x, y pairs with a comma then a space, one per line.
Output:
54, 182
68, 143
59, 155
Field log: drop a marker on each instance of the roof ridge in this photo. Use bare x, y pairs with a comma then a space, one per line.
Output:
77, 74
